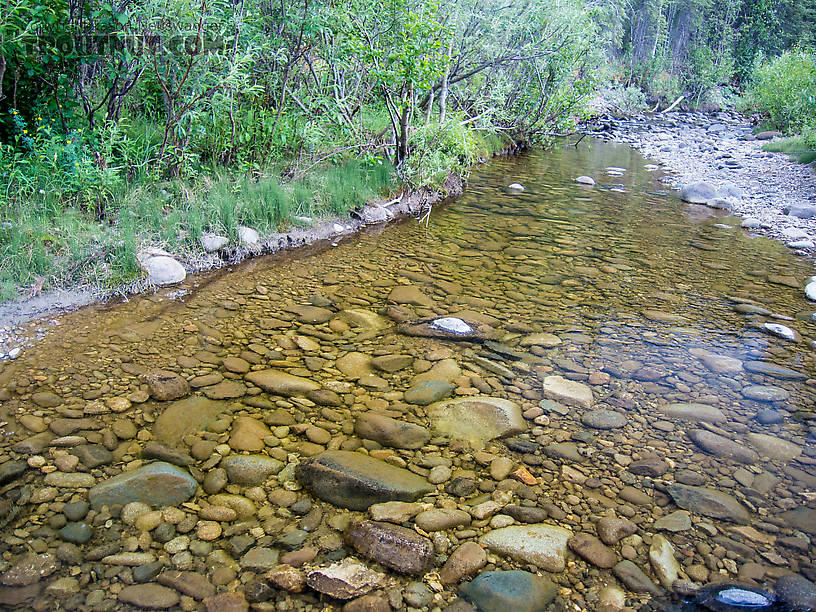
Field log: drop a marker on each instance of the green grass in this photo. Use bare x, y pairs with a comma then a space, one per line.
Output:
794, 146
47, 237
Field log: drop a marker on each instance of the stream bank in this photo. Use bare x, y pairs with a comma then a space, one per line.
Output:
779, 195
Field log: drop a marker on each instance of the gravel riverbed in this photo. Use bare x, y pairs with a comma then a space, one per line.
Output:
720, 149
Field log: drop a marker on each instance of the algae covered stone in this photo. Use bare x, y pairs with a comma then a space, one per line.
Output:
476, 419
355, 481
156, 484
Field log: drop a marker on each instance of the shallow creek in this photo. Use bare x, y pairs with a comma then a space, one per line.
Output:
618, 403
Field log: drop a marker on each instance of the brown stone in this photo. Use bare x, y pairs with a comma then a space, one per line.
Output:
397, 548
464, 562
165, 385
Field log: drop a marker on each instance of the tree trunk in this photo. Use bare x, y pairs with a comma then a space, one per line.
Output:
443, 92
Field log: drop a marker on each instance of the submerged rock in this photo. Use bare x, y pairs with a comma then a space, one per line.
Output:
476, 419
250, 470
391, 432
156, 484
165, 385
709, 502
543, 545
603, 419
763, 393
694, 413
796, 591
567, 391
428, 392
634, 578
721, 446
450, 328
734, 597
281, 383
510, 591
398, 548
184, 417
356, 481
772, 447
345, 580
773, 370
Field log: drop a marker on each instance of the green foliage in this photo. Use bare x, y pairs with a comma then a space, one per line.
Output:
800, 148
108, 147
784, 90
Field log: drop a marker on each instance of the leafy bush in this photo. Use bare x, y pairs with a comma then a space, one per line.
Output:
784, 89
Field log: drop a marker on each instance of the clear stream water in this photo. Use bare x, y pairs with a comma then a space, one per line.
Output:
639, 289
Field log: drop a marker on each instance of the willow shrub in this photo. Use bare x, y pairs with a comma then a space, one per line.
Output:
784, 89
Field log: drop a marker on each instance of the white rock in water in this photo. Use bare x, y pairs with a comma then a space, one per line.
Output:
163, 270
801, 244
247, 235
651, 167
516, 187
13, 353
213, 242
585, 180
782, 331
751, 223
810, 290
615, 169
452, 325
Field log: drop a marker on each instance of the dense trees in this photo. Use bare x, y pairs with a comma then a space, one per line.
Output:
670, 47
166, 118
230, 79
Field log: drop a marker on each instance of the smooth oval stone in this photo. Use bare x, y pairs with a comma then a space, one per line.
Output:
511, 591
250, 469
603, 419
150, 596
762, 393
185, 417
567, 391
773, 447
734, 597
694, 413
391, 432
428, 392
542, 545
477, 419
281, 383
356, 481
773, 370
780, 331
156, 484
721, 446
